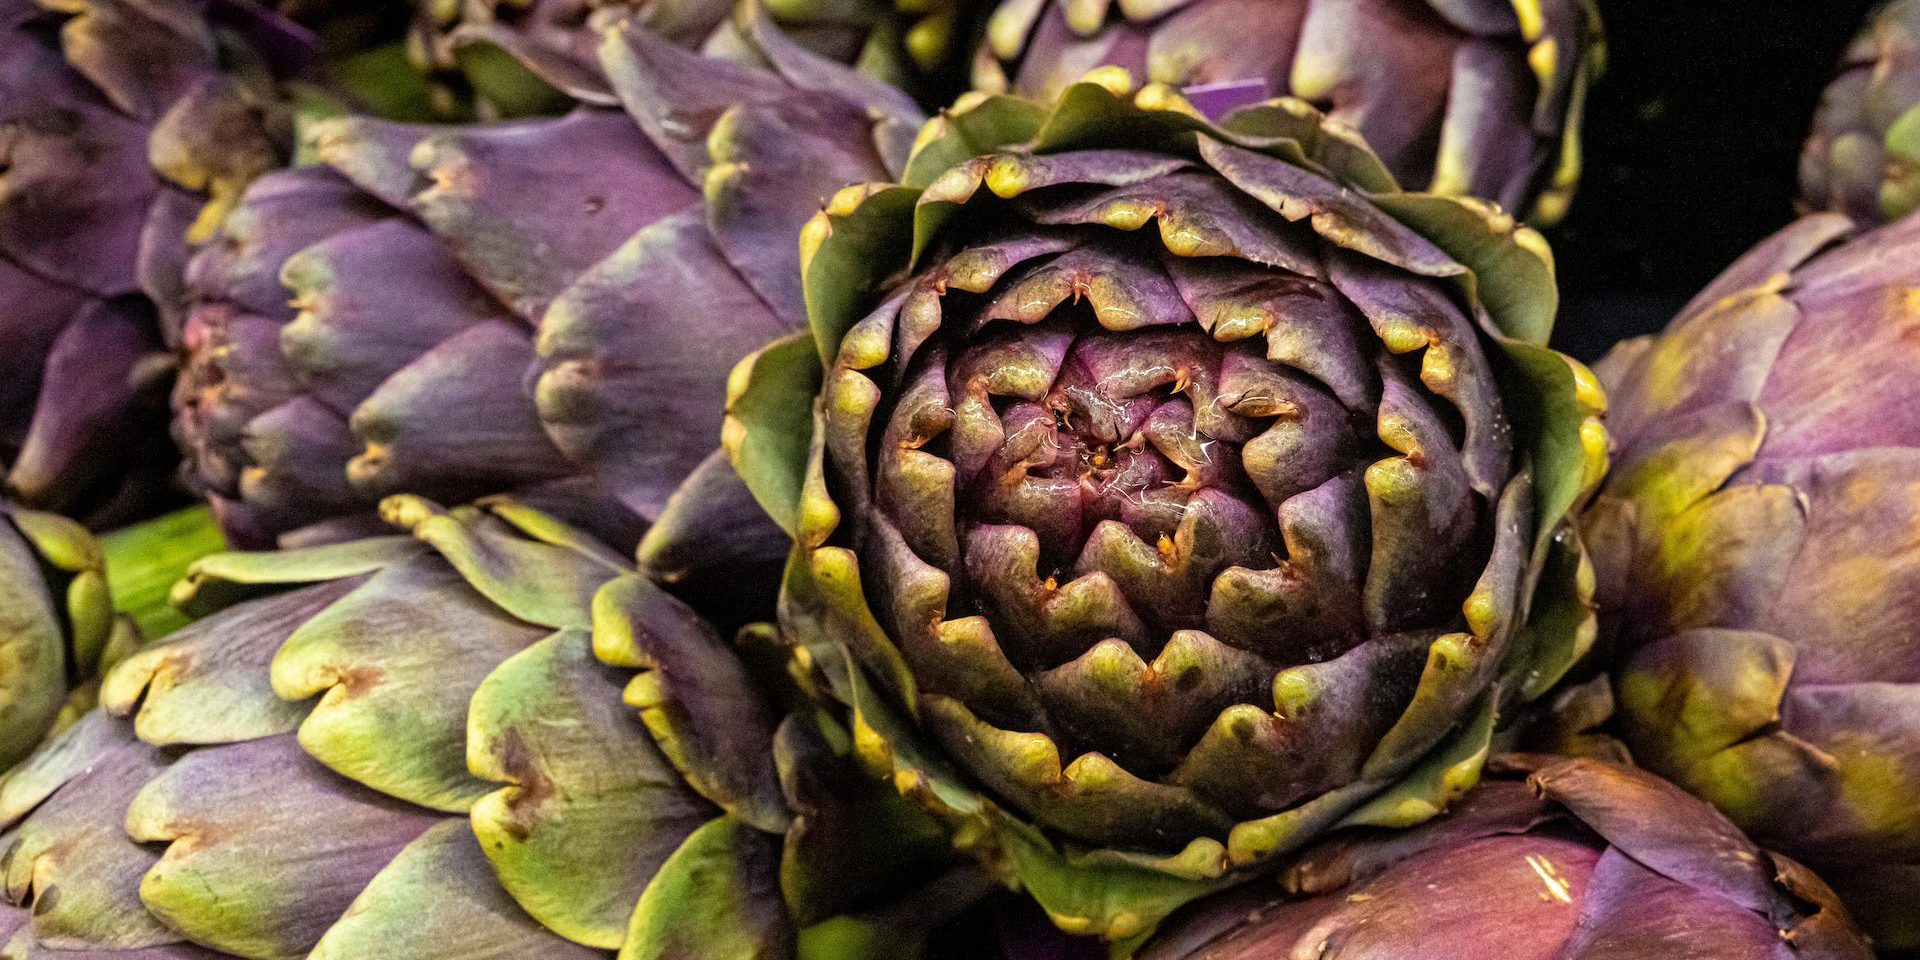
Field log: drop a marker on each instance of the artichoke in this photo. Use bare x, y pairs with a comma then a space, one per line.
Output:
1861, 157
1758, 581
404, 746
73, 605
1480, 98
521, 57
125, 130
1141, 555
58, 627
1580, 860
365, 326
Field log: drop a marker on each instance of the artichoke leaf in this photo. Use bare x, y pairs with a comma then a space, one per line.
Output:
769, 426
1295, 131
973, 127
393, 716
1555, 422
855, 841
548, 530
711, 522
717, 897
709, 717
1510, 266
1095, 892
33, 655
540, 583
223, 579
440, 890
49, 806
1561, 625
211, 684
265, 847
590, 808
1447, 772
1103, 108
1107, 897
846, 251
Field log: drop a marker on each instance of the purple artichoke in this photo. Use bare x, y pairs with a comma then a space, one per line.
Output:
547, 307
1864, 152
1759, 579
1178, 490
1479, 98
126, 130
1581, 861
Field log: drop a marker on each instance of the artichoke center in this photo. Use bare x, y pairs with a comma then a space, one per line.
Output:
1170, 514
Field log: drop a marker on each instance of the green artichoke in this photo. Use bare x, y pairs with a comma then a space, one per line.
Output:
1758, 578
72, 606
378, 323
1173, 491
125, 130
405, 746
1864, 151
1479, 98
1581, 861
521, 57
58, 627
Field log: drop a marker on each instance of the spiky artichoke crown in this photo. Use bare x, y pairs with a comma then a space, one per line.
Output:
1861, 155
1481, 98
1181, 543
1757, 578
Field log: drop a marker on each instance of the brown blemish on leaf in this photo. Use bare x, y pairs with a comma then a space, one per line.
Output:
533, 787
355, 683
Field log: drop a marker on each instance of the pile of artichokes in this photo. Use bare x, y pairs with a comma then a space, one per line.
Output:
930, 480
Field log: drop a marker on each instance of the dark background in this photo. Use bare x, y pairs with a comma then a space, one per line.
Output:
1692, 143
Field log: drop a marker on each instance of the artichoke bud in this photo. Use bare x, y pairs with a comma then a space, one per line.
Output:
1182, 543
130, 133
1859, 158
78, 606
1754, 565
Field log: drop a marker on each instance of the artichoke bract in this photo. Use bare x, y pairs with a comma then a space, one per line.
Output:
1757, 574
1481, 98
486, 736
524, 306
1580, 861
1172, 491
125, 130
1860, 159
524, 57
